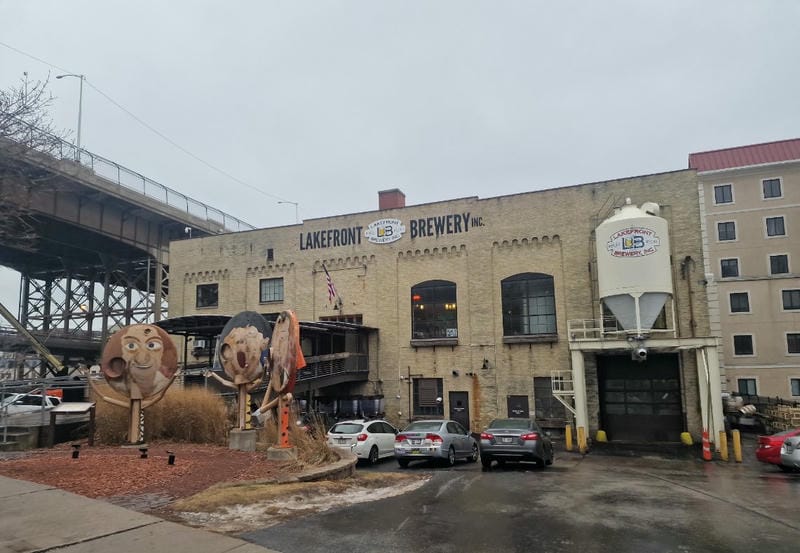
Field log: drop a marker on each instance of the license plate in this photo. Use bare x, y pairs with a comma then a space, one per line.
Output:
415, 452
507, 440
341, 440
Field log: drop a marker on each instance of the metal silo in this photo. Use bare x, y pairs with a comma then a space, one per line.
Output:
633, 265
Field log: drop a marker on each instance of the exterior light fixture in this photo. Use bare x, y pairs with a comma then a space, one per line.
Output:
485, 365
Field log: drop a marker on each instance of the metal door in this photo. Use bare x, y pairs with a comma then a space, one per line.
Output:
640, 401
459, 408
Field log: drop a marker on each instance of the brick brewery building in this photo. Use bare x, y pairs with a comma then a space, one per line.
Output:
478, 308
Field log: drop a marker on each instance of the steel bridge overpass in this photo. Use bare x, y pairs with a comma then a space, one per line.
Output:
90, 239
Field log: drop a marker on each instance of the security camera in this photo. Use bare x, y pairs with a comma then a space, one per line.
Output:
639, 354
438, 400
455, 372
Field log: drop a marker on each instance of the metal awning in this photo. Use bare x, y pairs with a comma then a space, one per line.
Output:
212, 325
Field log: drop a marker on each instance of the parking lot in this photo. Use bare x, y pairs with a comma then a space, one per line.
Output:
580, 503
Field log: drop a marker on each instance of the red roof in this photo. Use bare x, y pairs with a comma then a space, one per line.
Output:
755, 154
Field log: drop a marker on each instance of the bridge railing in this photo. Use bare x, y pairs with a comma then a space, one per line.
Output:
120, 175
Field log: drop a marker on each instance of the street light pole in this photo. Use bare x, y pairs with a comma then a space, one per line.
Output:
80, 102
296, 217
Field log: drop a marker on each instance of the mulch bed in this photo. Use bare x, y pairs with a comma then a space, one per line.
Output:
114, 473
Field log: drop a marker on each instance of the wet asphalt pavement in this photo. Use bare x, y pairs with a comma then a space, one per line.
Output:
581, 504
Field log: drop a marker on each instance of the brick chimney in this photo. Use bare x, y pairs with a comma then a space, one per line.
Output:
391, 199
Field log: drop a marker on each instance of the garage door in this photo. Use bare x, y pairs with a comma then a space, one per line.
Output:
640, 401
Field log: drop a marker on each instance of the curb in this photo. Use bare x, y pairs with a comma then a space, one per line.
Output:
343, 468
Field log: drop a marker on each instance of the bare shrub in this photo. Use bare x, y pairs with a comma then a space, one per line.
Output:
184, 414
311, 443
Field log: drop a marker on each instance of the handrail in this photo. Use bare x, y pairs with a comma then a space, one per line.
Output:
50, 144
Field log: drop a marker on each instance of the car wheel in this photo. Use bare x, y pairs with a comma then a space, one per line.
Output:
486, 463
373, 455
474, 457
549, 460
403, 463
785, 468
451, 456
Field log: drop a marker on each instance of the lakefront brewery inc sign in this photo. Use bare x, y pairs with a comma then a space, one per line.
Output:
386, 231
633, 242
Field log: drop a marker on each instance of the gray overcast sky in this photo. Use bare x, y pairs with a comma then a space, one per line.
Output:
325, 103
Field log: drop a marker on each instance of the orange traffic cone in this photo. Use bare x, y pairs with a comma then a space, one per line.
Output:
706, 447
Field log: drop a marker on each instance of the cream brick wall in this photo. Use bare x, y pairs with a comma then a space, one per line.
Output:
547, 231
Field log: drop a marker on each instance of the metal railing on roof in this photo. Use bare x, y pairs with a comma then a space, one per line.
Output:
50, 144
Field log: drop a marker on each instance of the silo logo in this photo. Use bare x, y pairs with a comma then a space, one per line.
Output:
384, 231
633, 242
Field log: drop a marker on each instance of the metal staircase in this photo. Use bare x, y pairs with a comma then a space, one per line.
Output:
563, 389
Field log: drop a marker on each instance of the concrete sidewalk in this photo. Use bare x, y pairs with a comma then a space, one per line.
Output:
35, 518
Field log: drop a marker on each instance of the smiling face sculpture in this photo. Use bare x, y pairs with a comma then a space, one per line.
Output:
139, 361
243, 345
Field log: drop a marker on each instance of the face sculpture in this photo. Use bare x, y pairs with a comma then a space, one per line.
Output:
139, 361
243, 345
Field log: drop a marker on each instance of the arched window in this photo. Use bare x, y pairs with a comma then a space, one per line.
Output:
434, 312
529, 305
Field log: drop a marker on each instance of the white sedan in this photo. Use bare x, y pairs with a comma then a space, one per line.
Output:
15, 404
370, 440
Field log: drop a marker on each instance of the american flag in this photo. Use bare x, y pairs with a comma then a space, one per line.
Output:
331, 287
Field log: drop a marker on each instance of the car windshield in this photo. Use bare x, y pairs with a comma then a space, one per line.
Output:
423, 426
347, 428
510, 424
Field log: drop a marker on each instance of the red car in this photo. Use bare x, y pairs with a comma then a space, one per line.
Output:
769, 447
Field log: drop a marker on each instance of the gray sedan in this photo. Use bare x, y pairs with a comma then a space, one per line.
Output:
435, 440
515, 440
790, 453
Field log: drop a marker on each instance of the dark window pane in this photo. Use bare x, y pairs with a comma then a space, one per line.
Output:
743, 344
434, 312
207, 295
791, 299
747, 386
270, 289
775, 226
529, 305
723, 194
772, 188
793, 343
795, 386
726, 231
740, 302
729, 268
778, 264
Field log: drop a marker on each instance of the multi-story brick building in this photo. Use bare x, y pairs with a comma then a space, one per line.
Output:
750, 206
472, 304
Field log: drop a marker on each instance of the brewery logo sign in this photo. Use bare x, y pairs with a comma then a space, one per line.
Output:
633, 242
384, 231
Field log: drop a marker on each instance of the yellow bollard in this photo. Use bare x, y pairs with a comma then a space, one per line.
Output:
601, 436
737, 446
581, 439
568, 437
723, 445
686, 438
